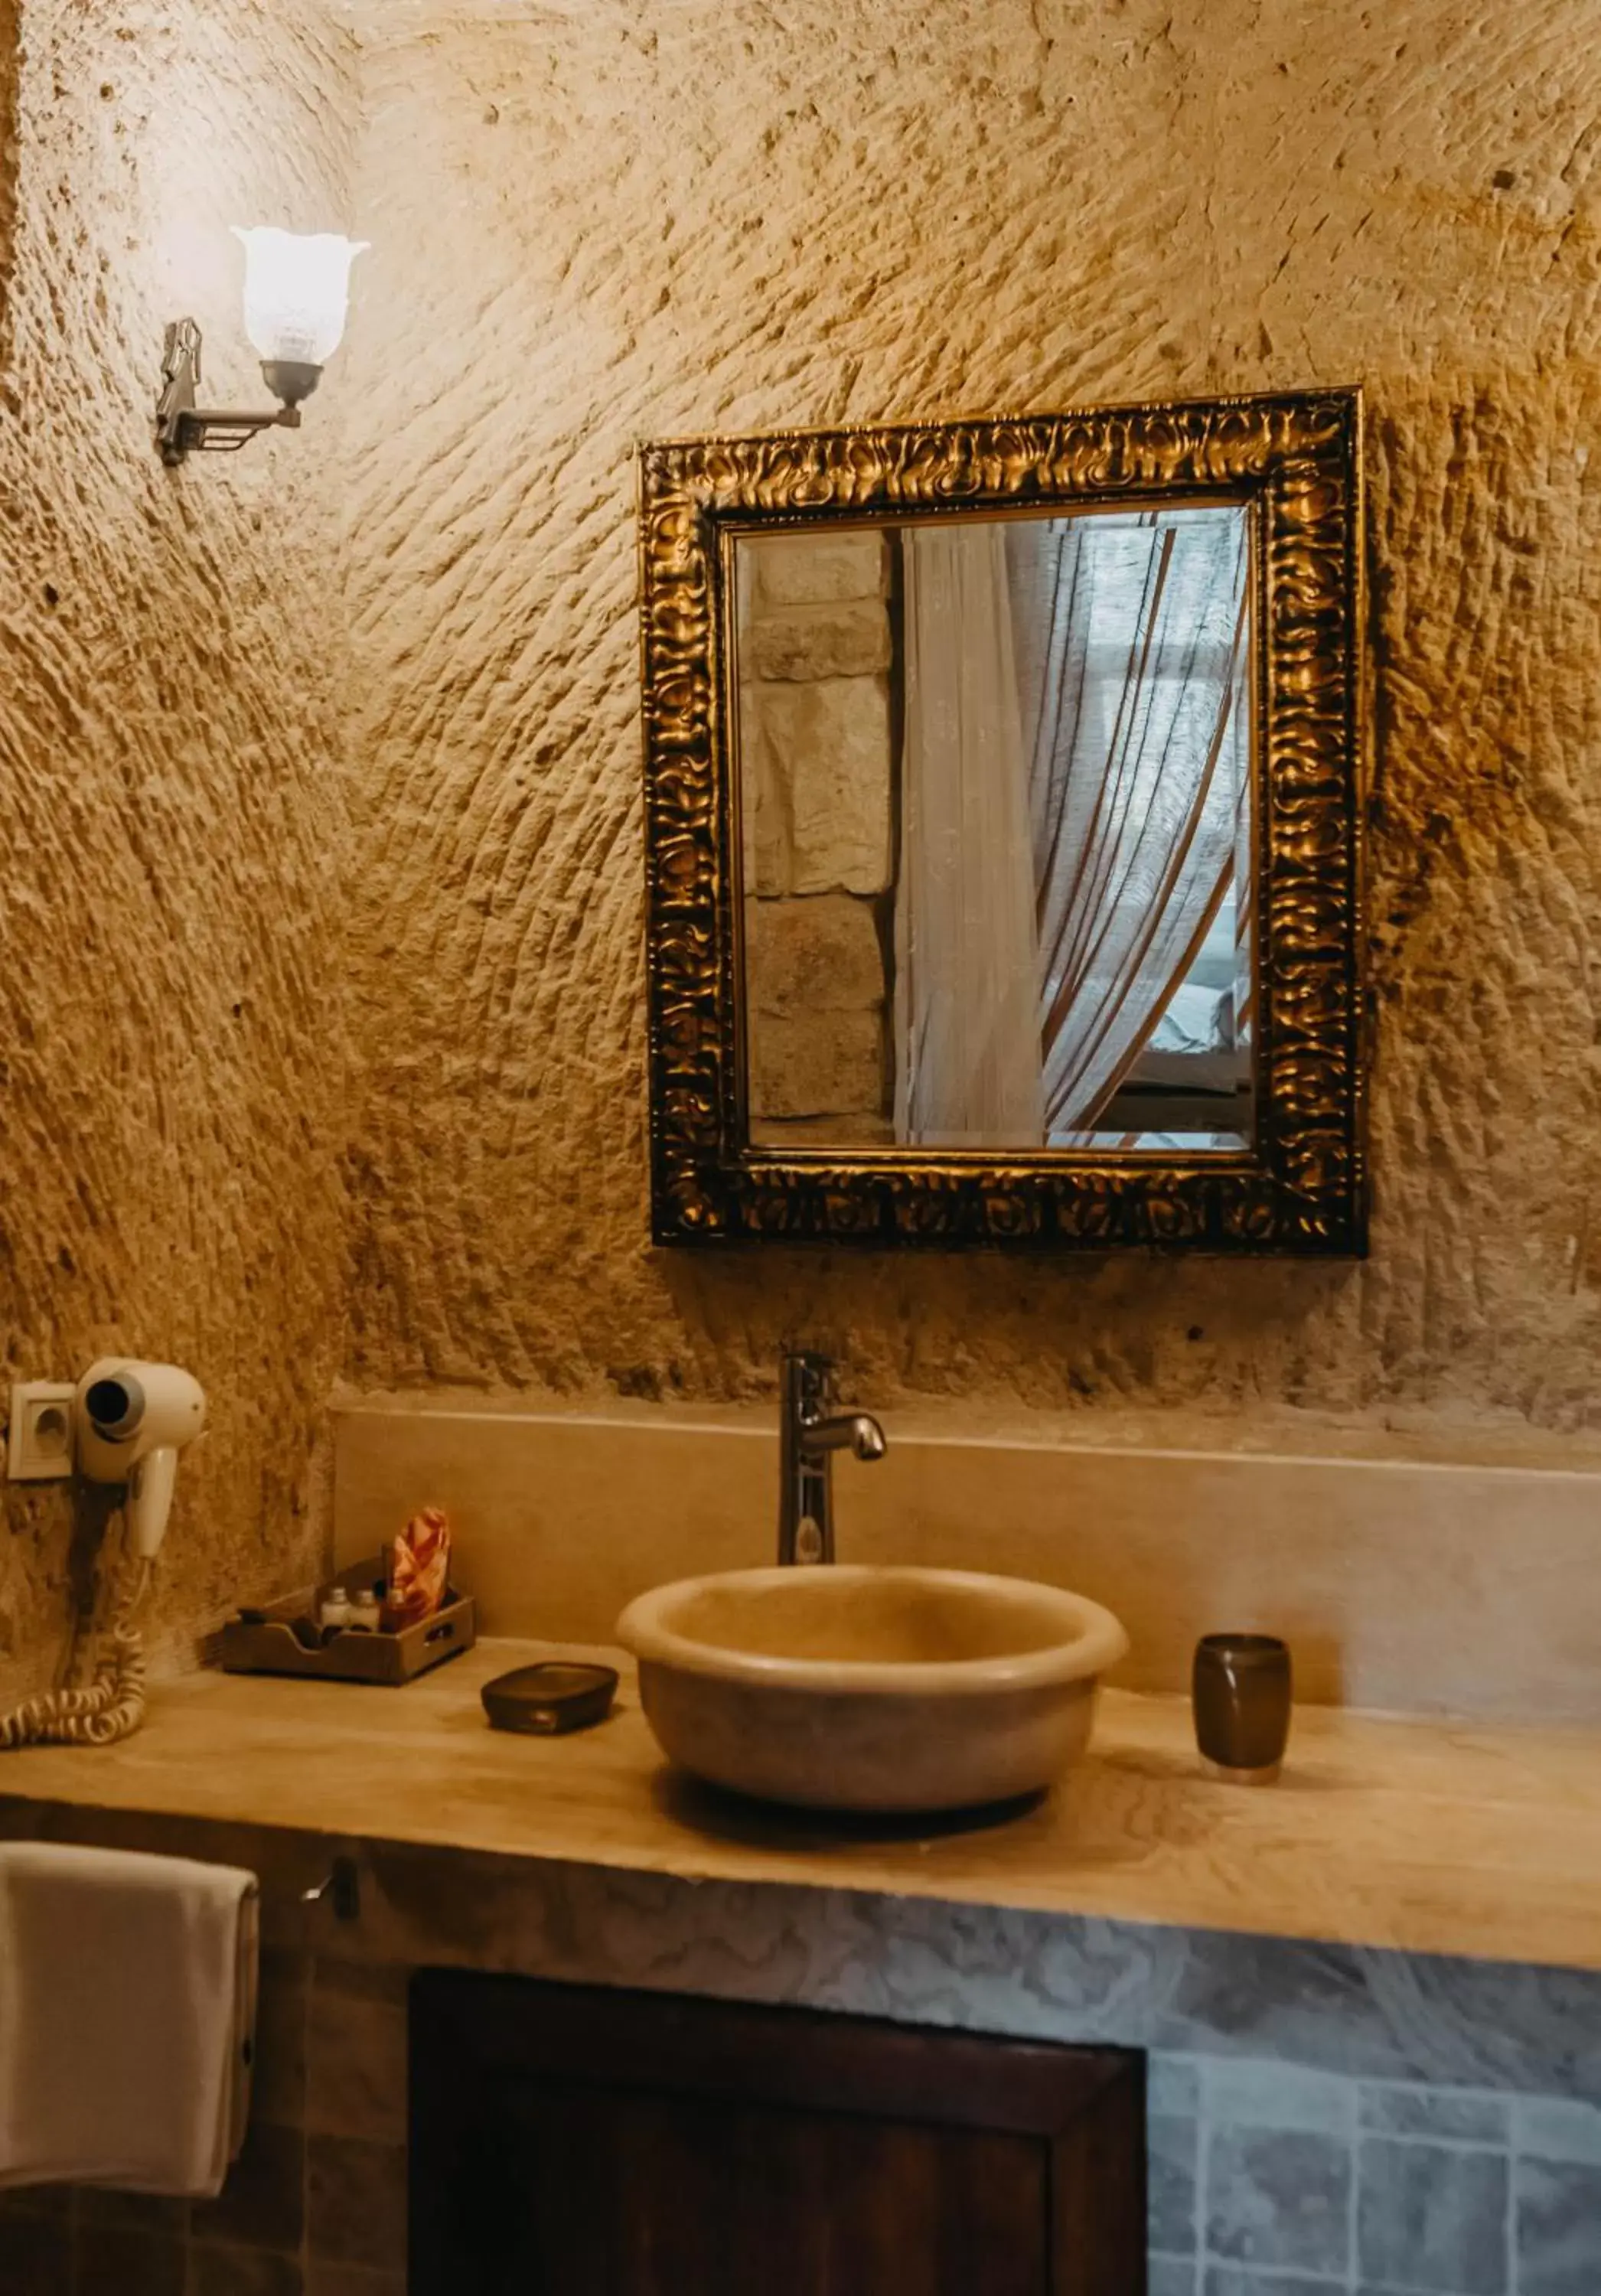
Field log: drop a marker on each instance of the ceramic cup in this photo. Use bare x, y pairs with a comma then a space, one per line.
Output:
1241, 1692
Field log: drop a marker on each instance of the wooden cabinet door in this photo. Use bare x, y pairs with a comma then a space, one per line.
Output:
570, 2141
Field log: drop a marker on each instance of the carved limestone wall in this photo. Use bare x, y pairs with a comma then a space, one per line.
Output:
599, 221
602, 224
172, 810
611, 221
818, 820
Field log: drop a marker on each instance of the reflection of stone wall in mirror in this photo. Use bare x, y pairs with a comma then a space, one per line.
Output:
817, 765
997, 843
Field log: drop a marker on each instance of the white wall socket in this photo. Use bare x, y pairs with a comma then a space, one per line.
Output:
40, 1449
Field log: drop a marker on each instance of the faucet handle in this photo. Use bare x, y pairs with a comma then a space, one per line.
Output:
808, 1381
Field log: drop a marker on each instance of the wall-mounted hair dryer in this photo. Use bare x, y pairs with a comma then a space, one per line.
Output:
131, 1421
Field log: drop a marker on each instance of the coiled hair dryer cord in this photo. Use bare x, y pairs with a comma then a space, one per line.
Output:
113, 1705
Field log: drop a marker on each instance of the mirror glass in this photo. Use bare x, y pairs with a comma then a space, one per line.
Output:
995, 791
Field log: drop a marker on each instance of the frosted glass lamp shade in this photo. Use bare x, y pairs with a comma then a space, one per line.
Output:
297, 291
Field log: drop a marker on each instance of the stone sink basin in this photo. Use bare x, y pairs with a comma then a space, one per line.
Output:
892, 1689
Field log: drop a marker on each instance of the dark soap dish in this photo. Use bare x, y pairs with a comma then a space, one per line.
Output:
548, 1700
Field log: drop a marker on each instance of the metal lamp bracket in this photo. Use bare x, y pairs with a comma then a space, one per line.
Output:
183, 427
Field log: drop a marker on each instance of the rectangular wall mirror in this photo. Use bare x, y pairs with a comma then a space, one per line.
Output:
996, 795
1003, 809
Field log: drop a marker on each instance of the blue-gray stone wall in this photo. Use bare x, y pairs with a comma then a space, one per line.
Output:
1269, 2179
1324, 2119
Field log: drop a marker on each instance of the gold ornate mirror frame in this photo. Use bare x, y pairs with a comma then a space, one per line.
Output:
1295, 460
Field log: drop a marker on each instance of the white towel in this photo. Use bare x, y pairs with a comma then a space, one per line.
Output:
127, 1995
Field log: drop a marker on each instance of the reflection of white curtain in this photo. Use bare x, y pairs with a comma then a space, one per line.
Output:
1238, 740
967, 953
1131, 641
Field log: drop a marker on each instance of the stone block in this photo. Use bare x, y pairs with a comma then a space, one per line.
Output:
1279, 2198
357, 2202
1172, 2084
819, 759
356, 2058
855, 1128
242, 2272
262, 2204
1558, 2228
1559, 2128
1170, 2173
810, 955
53, 2203
766, 838
324, 2279
1465, 2114
1258, 2093
278, 2085
822, 1065
112, 2261
1432, 2217
36, 2254
847, 640
1226, 2280
154, 2214
814, 570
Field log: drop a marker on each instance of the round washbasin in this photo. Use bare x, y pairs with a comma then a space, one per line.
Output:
870, 1689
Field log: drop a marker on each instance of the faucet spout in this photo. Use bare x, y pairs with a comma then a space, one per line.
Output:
809, 1435
856, 1431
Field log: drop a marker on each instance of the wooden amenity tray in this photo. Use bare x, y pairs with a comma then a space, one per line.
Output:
270, 1646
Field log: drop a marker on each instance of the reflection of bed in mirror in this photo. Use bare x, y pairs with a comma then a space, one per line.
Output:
1189, 1087
996, 795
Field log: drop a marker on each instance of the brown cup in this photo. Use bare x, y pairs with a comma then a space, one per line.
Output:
1241, 1691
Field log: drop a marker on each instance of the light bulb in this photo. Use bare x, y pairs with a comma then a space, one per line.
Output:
297, 291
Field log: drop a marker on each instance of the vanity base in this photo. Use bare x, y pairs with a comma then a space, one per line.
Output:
568, 2137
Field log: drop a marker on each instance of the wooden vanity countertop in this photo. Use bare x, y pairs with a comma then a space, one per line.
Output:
1421, 1836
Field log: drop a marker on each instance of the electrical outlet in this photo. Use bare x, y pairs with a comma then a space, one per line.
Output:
40, 1450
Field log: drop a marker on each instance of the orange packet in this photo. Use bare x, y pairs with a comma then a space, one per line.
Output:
419, 1572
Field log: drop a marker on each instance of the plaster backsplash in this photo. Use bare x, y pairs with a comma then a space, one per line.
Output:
600, 223
172, 1067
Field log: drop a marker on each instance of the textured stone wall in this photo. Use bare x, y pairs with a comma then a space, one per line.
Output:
1321, 2120
172, 1072
1251, 2163
604, 223
600, 223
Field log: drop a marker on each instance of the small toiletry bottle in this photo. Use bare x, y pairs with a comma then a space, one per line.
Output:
335, 1611
364, 1610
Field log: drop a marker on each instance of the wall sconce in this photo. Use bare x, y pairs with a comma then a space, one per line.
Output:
297, 292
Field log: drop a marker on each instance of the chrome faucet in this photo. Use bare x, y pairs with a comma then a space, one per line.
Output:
808, 1438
